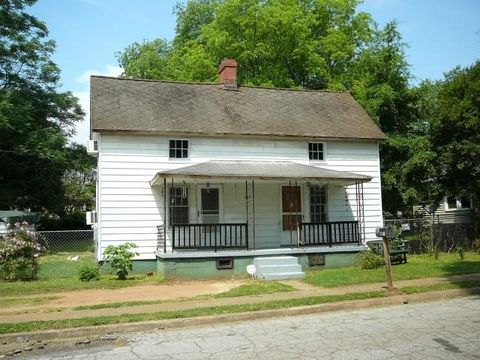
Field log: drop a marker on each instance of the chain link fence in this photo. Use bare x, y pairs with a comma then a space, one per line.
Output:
430, 235
71, 241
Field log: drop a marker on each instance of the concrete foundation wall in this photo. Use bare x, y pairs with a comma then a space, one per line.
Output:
206, 268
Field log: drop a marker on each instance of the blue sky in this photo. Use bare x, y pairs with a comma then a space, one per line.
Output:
440, 34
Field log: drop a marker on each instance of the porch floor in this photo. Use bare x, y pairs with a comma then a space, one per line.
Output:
185, 254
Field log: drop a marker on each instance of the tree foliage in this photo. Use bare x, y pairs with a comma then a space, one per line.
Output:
36, 119
456, 132
283, 43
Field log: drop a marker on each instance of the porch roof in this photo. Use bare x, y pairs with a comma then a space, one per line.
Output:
259, 170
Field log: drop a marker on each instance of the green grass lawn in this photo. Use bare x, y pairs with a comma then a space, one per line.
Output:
58, 274
418, 266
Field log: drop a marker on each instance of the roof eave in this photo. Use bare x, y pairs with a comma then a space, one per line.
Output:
210, 134
157, 179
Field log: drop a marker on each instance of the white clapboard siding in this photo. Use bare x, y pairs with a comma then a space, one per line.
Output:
130, 209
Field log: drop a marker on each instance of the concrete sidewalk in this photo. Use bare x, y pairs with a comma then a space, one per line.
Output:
304, 290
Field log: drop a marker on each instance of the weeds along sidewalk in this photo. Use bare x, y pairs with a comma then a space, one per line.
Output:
305, 295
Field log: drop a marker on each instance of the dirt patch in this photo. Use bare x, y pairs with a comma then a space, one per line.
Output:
169, 291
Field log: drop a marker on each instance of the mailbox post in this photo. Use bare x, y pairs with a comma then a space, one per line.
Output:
387, 233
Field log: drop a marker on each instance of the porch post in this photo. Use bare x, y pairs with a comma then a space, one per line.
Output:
360, 211
246, 210
290, 212
253, 212
165, 215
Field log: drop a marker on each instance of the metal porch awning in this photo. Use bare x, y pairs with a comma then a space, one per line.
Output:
260, 170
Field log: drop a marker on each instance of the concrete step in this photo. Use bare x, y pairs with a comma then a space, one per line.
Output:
283, 276
275, 260
278, 268
272, 269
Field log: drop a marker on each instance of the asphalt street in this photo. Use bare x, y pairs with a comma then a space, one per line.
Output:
436, 330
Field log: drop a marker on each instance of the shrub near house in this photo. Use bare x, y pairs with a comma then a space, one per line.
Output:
19, 253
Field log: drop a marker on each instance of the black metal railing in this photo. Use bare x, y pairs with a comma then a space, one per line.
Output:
330, 233
210, 236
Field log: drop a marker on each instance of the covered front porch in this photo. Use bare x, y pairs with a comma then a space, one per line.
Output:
258, 208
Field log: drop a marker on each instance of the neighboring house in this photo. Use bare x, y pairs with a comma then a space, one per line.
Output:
8, 218
451, 210
204, 178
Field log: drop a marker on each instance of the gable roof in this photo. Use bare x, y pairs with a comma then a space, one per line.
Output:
208, 109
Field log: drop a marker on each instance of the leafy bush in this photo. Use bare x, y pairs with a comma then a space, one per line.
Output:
476, 245
19, 253
89, 273
120, 259
369, 260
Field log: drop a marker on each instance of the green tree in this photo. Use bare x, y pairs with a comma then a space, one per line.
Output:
380, 82
35, 118
147, 60
283, 43
456, 132
79, 180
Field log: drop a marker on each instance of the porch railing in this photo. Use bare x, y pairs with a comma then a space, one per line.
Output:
210, 236
330, 233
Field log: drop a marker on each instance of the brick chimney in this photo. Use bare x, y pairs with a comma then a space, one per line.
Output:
228, 73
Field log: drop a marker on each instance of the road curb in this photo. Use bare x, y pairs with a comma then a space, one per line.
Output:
95, 331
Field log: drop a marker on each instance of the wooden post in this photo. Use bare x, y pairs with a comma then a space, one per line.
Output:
388, 263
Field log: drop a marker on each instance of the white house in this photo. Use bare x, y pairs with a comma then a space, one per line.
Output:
204, 178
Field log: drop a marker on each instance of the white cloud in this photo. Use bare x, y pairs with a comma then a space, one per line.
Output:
82, 128
379, 3
110, 70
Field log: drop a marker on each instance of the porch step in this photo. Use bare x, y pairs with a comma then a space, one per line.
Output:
278, 268
275, 260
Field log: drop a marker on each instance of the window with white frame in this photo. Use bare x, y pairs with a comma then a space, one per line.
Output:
318, 204
457, 203
316, 151
178, 205
178, 149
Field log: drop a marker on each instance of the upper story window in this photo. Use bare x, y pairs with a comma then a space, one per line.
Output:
178, 149
316, 151
457, 203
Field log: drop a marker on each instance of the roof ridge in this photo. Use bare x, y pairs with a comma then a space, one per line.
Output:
218, 84
153, 80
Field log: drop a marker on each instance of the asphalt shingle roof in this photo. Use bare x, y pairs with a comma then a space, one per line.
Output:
208, 109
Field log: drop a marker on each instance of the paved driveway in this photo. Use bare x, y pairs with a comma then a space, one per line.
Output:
446, 330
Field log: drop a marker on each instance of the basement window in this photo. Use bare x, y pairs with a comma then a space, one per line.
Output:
225, 263
178, 149
316, 260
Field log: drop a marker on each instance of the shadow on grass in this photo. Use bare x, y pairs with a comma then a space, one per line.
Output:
469, 269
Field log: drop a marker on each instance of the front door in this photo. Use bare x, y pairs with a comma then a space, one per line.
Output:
209, 204
292, 214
